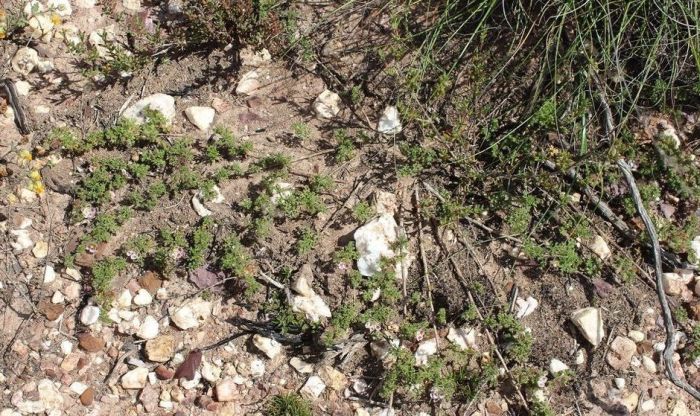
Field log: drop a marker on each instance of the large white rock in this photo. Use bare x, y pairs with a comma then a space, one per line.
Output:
49, 274
695, 246
674, 284
327, 104
22, 240
525, 306
313, 307
251, 57
164, 103
49, 395
373, 242
590, 322
25, 60
425, 350
135, 379
600, 247
389, 122
201, 117
313, 387
149, 328
89, 315
556, 366
132, 5
192, 314
199, 208
463, 338
143, 298
268, 346
248, 83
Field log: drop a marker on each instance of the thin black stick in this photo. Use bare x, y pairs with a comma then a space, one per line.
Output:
670, 347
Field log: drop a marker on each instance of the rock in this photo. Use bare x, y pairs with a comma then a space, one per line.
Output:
132, 5
77, 387
590, 322
557, 366
50, 310
268, 346
199, 208
85, 4
22, 88
647, 405
463, 338
74, 274
87, 397
22, 240
673, 283
648, 364
248, 83
257, 368
389, 122
374, 242
70, 362
210, 372
191, 314
201, 117
636, 336
161, 102
49, 274
124, 299
66, 347
580, 357
143, 298
694, 245
164, 373
149, 328
160, 349
89, 315
630, 401
41, 249
600, 247
302, 284
313, 307
620, 354
281, 191
60, 7
424, 351
151, 282
301, 366
680, 409
525, 306
333, 378
135, 379
226, 390
620, 383
313, 387
49, 395
250, 57
90, 343
327, 104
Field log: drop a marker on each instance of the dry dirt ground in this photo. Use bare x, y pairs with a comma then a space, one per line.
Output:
53, 363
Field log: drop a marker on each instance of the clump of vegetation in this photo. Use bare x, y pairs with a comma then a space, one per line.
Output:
290, 404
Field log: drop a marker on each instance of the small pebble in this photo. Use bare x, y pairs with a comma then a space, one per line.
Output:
89, 315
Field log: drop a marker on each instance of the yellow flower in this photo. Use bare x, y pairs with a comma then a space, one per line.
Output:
35, 175
55, 19
25, 155
37, 187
